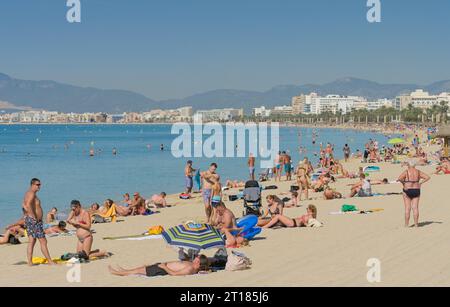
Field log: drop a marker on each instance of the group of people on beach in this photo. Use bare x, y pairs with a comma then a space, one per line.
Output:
307, 178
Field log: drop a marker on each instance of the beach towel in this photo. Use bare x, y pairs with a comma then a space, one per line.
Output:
141, 238
155, 230
111, 213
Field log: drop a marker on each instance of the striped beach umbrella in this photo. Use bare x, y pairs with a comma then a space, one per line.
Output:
194, 236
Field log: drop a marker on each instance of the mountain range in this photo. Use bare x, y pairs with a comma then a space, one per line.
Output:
54, 96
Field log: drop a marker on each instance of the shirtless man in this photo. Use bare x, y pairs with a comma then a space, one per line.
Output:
251, 166
188, 174
137, 205
226, 223
209, 177
81, 220
33, 222
60, 228
287, 166
444, 167
173, 268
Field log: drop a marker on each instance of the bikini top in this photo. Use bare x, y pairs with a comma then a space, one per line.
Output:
411, 181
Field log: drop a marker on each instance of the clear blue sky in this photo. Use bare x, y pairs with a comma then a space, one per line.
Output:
175, 48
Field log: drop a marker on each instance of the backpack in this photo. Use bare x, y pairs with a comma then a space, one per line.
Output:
237, 262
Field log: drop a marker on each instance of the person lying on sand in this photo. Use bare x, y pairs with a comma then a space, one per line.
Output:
329, 194
173, 268
60, 228
226, 223
158, 200
302, 221
235, 184
81, 220
444, 167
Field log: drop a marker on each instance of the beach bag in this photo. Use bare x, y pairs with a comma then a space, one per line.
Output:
314, 223
237, 262
98, 219
185, 196
294, 188
155, 230
348, 208
13, 240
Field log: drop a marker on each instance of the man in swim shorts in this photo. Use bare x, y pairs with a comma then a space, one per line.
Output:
287, 166
33, 221
209, 177
188, 175
174, 268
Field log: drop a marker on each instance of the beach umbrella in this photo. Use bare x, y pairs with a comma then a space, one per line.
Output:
395, 141
194, 236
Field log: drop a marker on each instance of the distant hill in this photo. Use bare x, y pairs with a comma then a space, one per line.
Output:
54, 96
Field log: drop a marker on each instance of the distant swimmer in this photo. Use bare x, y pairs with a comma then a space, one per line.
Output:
114, 151
149, 147
91, 152
161, 147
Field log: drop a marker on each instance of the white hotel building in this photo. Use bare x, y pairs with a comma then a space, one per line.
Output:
315, 104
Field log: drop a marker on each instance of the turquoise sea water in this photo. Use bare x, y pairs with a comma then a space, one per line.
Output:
59, 156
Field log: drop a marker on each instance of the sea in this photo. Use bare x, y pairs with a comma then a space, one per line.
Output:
59, 156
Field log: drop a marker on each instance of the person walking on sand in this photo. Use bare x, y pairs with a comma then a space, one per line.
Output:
251, 166
347, 152
411, 180
33, 222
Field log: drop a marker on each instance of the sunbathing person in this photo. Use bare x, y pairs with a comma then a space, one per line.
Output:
235, 184
322, 183
137, 205
110, 205
226, 223
60, 228
174, 268
108, 210
51, 216
363, 188
94, 208
302, 221
275, 207
126, 200
444, 167
81, 220
158, 200
329, 194
293, 202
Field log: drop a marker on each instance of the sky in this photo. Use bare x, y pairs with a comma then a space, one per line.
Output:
175, 48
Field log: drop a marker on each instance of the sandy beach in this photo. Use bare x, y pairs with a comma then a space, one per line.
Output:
334, 255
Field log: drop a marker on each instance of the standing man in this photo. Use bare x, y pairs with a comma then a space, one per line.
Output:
188, 175
347, 152
287, 165
251, 166
209, 178
33, 221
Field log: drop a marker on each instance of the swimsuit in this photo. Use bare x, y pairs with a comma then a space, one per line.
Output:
155, 270
251, 170
287, 167
206, 195
411, 193
35, 229
189, 182
215, 201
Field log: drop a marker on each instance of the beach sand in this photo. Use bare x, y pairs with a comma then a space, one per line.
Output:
334, 255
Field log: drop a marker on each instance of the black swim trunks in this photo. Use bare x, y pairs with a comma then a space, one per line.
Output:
155, 270
35, 229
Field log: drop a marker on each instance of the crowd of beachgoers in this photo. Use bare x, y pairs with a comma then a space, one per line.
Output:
306, 179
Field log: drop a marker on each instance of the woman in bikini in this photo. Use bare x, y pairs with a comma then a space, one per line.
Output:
275, 207
303, 181
411, 180
302, 221
81, 220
